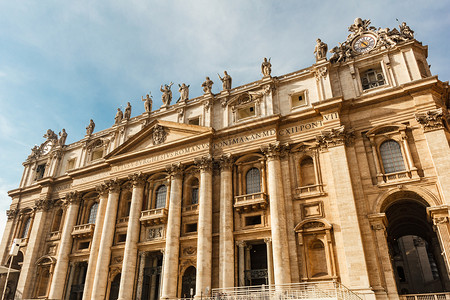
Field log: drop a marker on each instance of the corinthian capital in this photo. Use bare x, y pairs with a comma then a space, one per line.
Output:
335, 137
113, 185
137, 179
102, 189
225, 161
73, 197
12, 213
275, 150
204, 163
43, 204
175, 170
431, 120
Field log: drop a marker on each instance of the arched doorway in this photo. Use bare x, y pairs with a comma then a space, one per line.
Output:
414, 248
13, 276
114, 290
188, 283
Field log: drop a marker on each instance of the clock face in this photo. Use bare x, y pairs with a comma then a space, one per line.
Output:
47, 148
364, 44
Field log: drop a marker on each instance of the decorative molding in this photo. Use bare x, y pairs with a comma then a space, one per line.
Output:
175, 170
12, 213
275, 150
113, 185
43, 204
137, 179
159, 134
204, 163
320, 73
102, 189
440, 220
431, 120
225, 161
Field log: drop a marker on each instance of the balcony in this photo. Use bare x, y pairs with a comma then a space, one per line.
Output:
396, 177
250, 202
154, 216
83, 231
54, 235
309, 191
435, 296
190, 209
122, 222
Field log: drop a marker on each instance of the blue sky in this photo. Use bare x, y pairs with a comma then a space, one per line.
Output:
65, 62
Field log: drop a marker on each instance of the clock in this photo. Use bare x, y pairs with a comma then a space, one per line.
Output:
47, 147
364, 43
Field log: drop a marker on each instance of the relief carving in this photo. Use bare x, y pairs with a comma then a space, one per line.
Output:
159, 135
431, 120
154, 233
335, 137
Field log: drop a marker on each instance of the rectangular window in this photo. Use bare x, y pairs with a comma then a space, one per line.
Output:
194, 121
298, 99
40, 170
97, 154
253, 220
83, 245
246, 112
71, 164
121, 238
372, 78
191, 228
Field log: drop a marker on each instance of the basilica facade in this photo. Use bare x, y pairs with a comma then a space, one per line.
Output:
336, 172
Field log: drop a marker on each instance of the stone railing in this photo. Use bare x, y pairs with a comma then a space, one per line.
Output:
308, 191
190, 209
154, 216
250, 202
433, 296
82, 231
122, 220
392, 178
54, 235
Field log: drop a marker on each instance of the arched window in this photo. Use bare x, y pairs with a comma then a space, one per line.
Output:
253, 181
93, 213
391, 156
26, 228
161, 196
57, 220
307, 176
194, 191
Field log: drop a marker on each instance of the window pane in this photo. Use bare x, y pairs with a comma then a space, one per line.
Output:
307, 172
161, 196
194, 195
253, 181
392, 158
93, 213
26, 227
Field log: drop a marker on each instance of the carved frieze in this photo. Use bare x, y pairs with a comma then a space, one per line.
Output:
431, 120
154, 233
159, 134
189, 251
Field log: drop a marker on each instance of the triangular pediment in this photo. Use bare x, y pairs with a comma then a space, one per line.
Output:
158, 135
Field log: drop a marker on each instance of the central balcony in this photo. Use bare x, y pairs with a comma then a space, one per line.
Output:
250, 202
154, 216
83, 231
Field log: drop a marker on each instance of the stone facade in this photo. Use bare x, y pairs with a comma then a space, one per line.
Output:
334, 172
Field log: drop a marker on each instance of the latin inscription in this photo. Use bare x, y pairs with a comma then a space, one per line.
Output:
244, 139
90, 178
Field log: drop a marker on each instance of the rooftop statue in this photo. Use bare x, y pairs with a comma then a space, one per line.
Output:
184, 92
90, 127
127, 113
148, 102
50, 135
62, 137
167, 94
207, 85
266, 67
320, 50
226, 81
119, 116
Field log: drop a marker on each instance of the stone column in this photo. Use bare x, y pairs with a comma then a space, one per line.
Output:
104, 252
347, 232
153, 279
172, 250
65, 246
8, 234
133, 230
241, 249
277, 214
378, 222
140, 280
204, 228
440, 217
36, 233
226, 256
435, 134
268, 242
96, 238
70, 280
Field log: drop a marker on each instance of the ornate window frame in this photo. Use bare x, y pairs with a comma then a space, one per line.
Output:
299, 153
244, 101
396, 132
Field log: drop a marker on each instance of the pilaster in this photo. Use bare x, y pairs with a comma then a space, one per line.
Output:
440, 217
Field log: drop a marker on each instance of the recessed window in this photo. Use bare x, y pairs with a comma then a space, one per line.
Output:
83, 245
121, 238
298, 99
191, 228
391, 156
71, 164
93, 213
40, 170
161, 196
97, 154
372, 78
253, 220
246, 112
194, 121
253, 181
26, 228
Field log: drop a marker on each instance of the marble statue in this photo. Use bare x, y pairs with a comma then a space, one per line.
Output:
320, 50
207, 85
266, 67
50, 135
90, 127
167, 94
127, 113
406, 33
148, 102
119, 116
184, 92
226, 81
62, 137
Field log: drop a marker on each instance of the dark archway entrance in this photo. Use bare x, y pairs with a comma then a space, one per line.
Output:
13, 276
114, 290
188, 283
414, 249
